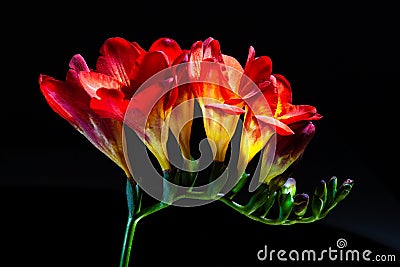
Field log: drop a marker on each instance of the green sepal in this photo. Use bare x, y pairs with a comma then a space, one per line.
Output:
169, 192
260, 196
268, 204
285, 205
343, 190
133, 197
319, 199
321, 191
188, 178
217, 170
239, 185
331, 191
300, 204
317, 206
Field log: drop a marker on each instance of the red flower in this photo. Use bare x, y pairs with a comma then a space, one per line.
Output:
71, 102
96, 101
121, 69
213, 85
277, 92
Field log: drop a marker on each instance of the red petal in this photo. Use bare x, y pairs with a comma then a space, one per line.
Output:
183, 57
259, 69
151, 63
196, 51
212, 50
233, 72
289, 149
295, 145
57, 97
118, 59
234, 101
226, 109
145, 99
284, 89
295, 113
170, 48
251, 54
92, 81
110, 105
71, 102
77, 63
316, 117
281, 128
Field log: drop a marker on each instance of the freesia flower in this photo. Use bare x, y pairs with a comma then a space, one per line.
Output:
121, 70
271, 118
72, 102
220, 119
299, 118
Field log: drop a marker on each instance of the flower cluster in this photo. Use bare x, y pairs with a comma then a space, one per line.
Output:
97, 100
156, 94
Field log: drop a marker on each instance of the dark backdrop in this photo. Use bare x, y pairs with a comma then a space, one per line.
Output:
63, 203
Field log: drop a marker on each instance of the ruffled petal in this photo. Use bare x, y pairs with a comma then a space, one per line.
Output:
170, 48
118, 57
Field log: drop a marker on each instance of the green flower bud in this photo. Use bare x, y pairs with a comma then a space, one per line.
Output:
300, 204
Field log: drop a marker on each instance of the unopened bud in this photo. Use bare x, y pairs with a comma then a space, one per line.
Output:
300, 204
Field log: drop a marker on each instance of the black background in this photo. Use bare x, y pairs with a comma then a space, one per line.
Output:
62, 202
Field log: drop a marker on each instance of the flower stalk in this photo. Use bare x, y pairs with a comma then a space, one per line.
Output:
135, 214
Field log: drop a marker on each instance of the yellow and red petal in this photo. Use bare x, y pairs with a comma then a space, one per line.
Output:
220, 128
71, 102
288, 150
284, 89
181, 119
147, 116
233, 72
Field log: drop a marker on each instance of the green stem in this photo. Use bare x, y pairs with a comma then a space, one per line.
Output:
127, 246
130, 230
242, 210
